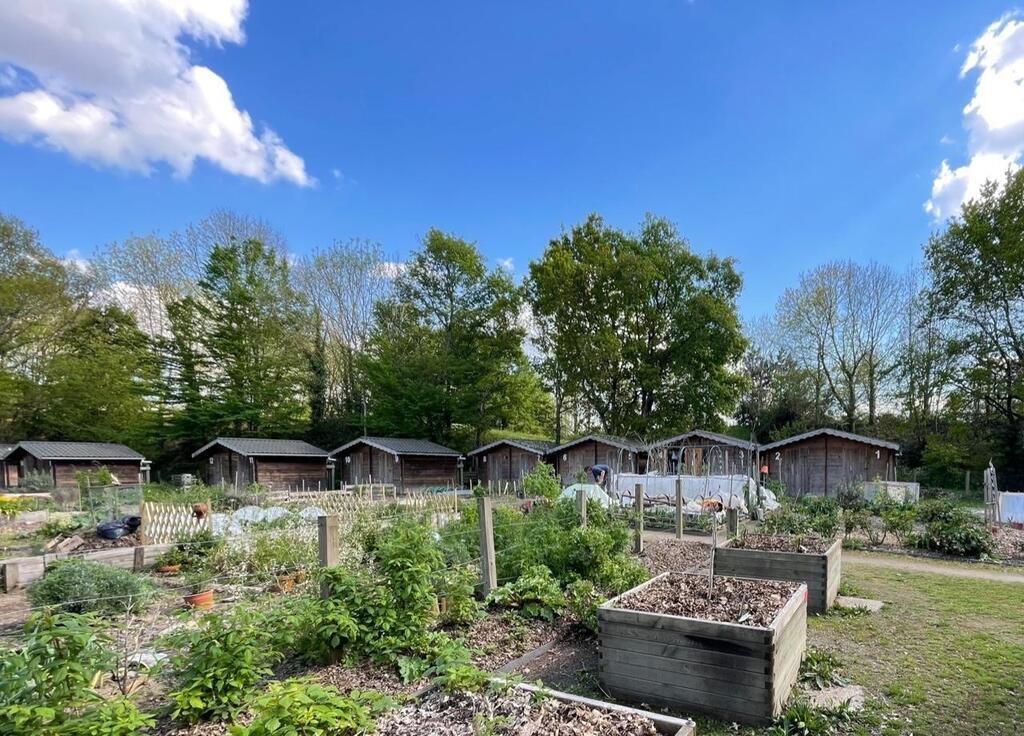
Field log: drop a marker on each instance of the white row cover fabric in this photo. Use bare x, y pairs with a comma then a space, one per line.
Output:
1011, 507
902, 491
730, 490
594, 493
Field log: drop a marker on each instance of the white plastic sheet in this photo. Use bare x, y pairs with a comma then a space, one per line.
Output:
594, 493
731, 490
1011, 507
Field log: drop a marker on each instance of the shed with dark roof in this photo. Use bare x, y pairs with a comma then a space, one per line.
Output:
60, 461
283, 464
571, 459
8, 475
508, 460
823, 461
406, 463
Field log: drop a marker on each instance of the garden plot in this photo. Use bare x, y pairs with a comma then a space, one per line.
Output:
734, 654
803, 559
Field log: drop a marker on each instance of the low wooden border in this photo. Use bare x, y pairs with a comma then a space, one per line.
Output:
19, 571
820, 572
730, 671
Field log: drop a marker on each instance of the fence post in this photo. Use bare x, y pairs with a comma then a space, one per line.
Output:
488, 570
679, 508
327, 534
139, 559
581, 506
638, 513
732, 522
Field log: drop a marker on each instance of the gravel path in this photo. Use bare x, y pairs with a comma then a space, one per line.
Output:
908, 564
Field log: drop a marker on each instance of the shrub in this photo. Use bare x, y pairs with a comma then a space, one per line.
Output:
35, 481
541, 482
535, 593
898, 520
959, 533
10, 507
218, 663
194, 550
51, 673
458, 586
57, 525
786, 520
620, 573
584, 599
119, 717
850, 496
935, 509
304, 707
854, 520
83, 586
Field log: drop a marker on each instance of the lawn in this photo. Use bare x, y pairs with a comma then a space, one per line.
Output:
946, 656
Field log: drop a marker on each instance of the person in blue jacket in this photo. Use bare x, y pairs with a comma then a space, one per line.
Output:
600, 472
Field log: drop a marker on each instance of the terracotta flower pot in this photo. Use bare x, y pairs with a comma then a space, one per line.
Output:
169, 569
286, 583
202, 601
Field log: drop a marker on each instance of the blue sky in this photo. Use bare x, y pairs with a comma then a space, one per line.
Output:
783, 135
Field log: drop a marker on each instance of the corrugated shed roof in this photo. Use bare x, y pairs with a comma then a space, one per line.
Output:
833, 433
608, 439
715, 437
4, 449
401, 446
538, 447
260, 447
76, 450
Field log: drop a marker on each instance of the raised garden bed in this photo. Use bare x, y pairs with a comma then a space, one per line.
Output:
815, 562
700, 657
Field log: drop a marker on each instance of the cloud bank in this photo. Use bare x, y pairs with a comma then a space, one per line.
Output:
994, 117
111, 82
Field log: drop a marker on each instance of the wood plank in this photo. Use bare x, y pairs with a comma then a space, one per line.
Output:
673, 664
677, 698
700, 650
755, 696
748, 635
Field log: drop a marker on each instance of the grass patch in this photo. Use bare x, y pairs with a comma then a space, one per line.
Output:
945, 656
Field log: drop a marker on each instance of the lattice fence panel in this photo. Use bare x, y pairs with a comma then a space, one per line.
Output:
164, 523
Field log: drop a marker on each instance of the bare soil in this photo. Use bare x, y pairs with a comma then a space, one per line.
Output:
733, 600
812, 545
499, 638
515, 712
675, 555
571, 665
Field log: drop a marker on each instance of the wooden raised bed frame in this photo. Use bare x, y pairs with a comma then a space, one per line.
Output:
730, 671
820, 572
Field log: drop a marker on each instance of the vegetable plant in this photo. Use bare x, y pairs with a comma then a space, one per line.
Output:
535, 593
83, 586
303, 707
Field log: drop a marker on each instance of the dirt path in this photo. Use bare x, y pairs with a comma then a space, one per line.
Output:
950, 569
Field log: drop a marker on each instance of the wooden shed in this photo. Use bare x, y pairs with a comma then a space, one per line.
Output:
823, 460
279, 464
508, 460
8, 474
407, 464
61, 460
700, 451
618, 453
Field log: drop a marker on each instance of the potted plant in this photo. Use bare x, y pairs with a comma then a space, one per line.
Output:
201, 595
170, 562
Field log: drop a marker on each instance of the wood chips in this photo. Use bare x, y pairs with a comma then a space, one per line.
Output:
734, 600
806, 544
515, 712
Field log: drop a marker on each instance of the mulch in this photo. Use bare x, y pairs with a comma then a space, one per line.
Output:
515, 712
500, 637
733, 600
804, 544
665, 555
1008, 543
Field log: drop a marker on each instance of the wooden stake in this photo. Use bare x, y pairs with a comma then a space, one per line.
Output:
679, 508
327, 534
488, 570
638, 513
581, 506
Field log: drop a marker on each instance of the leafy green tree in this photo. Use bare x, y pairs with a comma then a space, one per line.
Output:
446, 349
644, 330
778, 395
976, 265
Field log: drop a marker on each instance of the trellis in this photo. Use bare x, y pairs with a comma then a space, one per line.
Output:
164, 523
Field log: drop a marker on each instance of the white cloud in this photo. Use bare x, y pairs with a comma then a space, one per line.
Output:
113, 84
507, 263
392, 269
336, 173
994, 117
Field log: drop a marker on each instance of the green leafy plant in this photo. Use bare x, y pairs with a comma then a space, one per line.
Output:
542, 482
118, 717
193, 551
457, 588
59, 524
10, 507
536, 594
619, 573
304, 707
583, 599
52, 673
801, 719
820, 669
898, 520
218, 663
958, 533
83, 586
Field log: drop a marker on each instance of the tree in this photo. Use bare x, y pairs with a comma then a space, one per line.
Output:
446, 349
976, 266
238, 350
641, 328
778, 396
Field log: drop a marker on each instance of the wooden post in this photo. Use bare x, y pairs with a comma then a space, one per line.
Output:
679, 508
638, 514
488, 570
732, 522
967, 482
581, 506
327, 533
139, 560
12, 576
